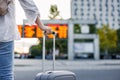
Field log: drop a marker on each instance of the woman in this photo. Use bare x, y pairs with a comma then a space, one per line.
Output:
9, 33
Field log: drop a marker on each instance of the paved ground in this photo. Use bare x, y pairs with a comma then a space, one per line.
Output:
84, 69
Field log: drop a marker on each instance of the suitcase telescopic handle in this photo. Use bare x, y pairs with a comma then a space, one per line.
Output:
43, 56
53, 32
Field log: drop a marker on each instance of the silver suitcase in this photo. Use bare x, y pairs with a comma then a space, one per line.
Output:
53, 75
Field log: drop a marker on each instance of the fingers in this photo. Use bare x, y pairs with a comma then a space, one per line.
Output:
48, 30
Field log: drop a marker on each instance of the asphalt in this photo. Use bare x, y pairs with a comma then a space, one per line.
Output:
32, 64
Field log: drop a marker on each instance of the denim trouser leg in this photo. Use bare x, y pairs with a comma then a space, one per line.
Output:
6, 60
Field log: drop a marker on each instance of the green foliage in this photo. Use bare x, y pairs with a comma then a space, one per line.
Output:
36, 50
61, 44
54, 12
118, 35
92, 28
108, 38
77, 29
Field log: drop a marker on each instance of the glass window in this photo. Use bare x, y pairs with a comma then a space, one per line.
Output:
119, 14
106, 14
100, 5
88, 5
107, 19
101, 15
118, 1
113, 19
107, 10
82, 0
82, 4
88, 14
81, 9
88, 9
106, 5
75, 4
112, 14
93, 4
75, 11
82, 14
113, 24
100, 9
118, 20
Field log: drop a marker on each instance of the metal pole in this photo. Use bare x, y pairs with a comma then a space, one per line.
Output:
43, 55
54, 52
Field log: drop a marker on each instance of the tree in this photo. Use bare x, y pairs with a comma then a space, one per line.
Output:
77, 29
36, 50
92, 28
54, 13
108, 38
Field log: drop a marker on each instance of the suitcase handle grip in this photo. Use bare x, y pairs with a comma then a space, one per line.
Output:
53, 32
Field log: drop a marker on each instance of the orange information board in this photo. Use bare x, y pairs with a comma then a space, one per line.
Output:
34, 31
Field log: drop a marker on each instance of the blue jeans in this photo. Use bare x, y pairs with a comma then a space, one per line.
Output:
6, 60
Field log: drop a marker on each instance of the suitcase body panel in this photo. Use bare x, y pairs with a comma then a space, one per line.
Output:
56, 75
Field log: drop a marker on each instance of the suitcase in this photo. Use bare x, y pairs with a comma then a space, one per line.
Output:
53, 75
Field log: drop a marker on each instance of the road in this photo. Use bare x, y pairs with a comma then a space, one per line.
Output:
84, 69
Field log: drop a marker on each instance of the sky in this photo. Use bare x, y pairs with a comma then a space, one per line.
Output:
43, 6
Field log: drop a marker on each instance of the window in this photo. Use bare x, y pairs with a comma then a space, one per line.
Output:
88, 9
107, 10
75, 4
113, 24
113, 19
93, 4
82, 0
82, 4
101, 15
106, 19
112, 14
100, 5
106, 14
100, 9
88, 14
82, 14
88, 5
106, 5
81, 9
118, 1
76, 11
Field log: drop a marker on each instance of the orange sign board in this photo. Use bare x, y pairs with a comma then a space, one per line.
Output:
35, 32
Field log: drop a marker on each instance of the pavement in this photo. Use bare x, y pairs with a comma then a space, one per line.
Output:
36, 64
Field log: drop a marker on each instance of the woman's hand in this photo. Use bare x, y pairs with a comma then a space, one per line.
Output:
47, 29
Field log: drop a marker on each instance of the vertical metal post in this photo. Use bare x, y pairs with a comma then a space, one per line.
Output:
43, 54
54, 52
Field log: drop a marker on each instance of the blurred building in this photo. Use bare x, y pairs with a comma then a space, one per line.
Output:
103, 11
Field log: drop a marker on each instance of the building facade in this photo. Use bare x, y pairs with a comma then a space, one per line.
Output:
103, 11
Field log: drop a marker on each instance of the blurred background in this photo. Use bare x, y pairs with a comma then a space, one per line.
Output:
88, 36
